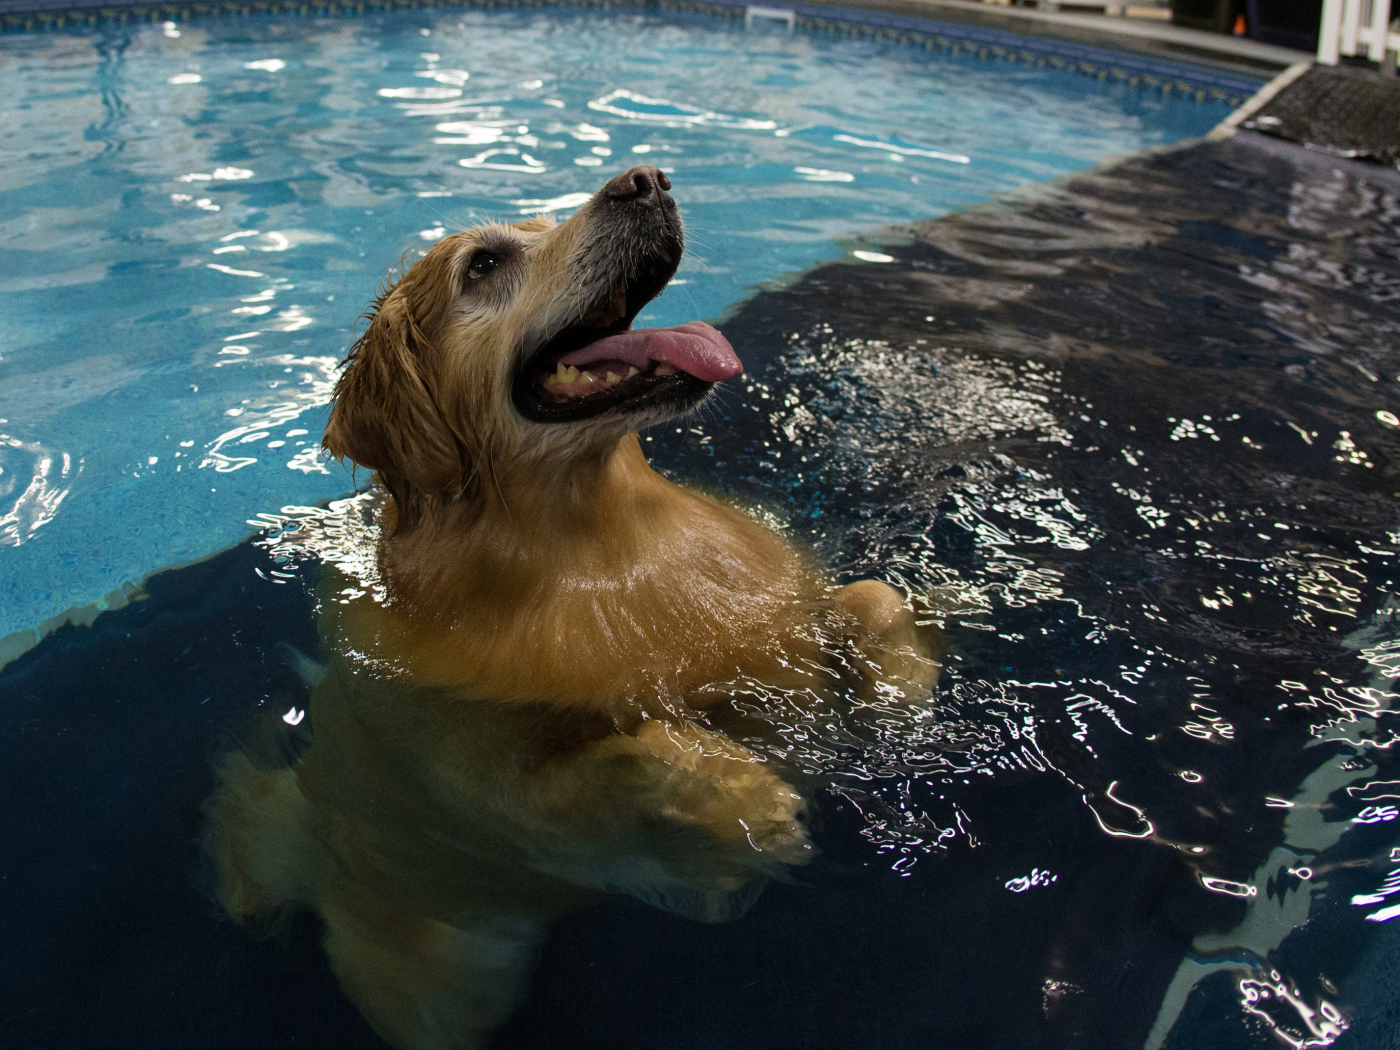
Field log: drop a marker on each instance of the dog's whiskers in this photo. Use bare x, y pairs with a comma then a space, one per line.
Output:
715, 400
687, 251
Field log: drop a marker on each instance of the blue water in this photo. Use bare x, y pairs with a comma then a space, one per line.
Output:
193, 216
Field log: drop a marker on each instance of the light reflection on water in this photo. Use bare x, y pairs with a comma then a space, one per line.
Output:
191, 211
1151, 499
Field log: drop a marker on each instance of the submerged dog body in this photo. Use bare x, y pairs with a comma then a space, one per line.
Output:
510, 727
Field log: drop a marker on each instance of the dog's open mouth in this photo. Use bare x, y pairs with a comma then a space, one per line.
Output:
601, 363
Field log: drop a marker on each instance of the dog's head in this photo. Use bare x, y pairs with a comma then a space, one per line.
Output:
511, 346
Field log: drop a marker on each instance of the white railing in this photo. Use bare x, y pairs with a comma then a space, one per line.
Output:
1346, 27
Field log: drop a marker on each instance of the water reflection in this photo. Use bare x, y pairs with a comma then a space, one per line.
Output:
437, 851
33, 499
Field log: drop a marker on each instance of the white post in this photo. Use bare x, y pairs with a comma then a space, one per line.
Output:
1351, 25
1330, 36
1380, 29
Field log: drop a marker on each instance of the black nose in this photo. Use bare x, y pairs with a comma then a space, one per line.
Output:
643, 184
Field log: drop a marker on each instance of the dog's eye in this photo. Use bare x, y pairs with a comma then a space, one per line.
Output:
482, 264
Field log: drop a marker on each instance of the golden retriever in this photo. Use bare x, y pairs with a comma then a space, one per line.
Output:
509, 729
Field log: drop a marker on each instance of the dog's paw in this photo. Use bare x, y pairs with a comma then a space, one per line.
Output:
899, 655
730, 791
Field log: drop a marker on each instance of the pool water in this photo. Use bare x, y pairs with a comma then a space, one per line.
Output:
1129, 438
193, 215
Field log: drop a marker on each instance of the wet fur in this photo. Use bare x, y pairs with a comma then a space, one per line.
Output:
512, 731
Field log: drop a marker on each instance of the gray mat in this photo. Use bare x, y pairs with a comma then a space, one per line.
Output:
1341, 110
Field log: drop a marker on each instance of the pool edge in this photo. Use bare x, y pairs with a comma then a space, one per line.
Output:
17, 643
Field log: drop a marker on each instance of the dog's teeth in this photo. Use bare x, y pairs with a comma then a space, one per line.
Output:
631, 371
563, 375
587, 377
664, 369
613, 378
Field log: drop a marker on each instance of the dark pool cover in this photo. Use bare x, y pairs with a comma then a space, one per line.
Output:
1137, 434
1342, 110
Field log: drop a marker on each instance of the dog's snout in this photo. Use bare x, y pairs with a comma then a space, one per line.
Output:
643, 184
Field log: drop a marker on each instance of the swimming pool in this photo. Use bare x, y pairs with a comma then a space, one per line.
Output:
195, 214
1133, 434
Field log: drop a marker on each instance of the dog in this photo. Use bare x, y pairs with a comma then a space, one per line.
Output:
511, 726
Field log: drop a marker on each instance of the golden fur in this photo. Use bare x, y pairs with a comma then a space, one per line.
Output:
512, 731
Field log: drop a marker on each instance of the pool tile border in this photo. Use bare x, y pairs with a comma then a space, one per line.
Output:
1142, 72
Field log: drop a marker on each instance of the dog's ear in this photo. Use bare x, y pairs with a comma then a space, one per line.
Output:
385, 415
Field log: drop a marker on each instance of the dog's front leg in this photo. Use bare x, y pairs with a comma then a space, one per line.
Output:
676, 771
676, 815
900, 655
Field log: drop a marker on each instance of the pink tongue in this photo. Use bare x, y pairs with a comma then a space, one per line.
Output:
695, 348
